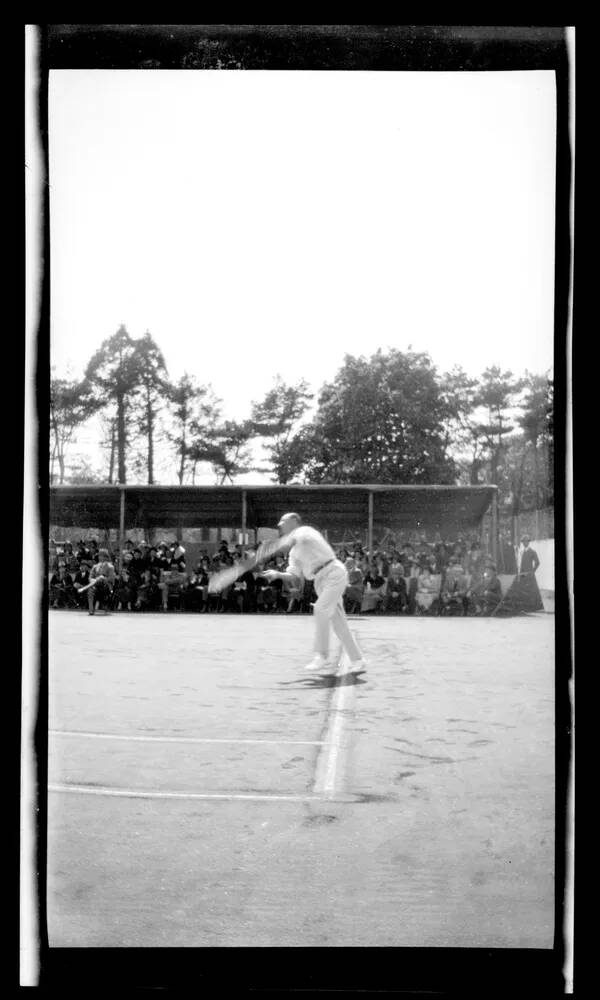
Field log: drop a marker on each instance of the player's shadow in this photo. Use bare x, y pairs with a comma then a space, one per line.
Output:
320, 681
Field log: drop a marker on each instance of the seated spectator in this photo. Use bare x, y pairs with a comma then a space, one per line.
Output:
137, 567
102, 574
62, 590
266, 592
353, 595
411, 579
475, 563
454, 591
441, 556
374, 592
171, 583
82, 553
242, 591
193, 592
427, 597
69, 557
125, 593
127, 551
176, 554
148, 596
396, 596
156, 560
80, 580
487, 593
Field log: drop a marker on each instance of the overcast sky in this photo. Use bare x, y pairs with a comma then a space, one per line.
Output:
269, 222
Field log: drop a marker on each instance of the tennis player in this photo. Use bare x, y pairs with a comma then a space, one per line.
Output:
312, 558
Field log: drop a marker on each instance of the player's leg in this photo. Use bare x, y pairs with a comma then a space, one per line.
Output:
328, 611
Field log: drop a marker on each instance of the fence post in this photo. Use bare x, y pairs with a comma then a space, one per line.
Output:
370, 526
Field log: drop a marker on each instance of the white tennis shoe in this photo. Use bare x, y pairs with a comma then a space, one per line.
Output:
319, 664
357, 666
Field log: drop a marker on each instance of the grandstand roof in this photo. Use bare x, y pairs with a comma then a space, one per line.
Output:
332, 507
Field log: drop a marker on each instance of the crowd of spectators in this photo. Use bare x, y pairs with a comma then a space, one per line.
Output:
424, 578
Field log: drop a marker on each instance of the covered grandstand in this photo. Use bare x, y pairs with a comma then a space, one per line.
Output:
363, 509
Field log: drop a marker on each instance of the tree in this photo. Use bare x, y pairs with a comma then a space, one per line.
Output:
380, 421
194, 407
227, 449
276, 416
462, 437
536, 421
71, 404
497, 396
114, 373
152, 391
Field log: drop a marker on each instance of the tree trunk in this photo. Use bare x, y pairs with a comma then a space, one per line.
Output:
181, 472
113, 441
150, 419
121, 438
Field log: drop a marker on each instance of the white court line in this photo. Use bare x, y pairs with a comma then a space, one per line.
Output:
329, 771
176, 739
133, 793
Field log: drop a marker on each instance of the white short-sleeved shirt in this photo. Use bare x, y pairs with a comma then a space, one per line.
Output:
309, 550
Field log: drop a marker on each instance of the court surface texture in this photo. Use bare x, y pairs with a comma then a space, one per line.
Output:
205, 790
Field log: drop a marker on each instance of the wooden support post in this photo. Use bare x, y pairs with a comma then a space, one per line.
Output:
370, 526
244, 521
494, 526
121, 526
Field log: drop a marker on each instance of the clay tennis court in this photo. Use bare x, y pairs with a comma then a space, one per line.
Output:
206, 791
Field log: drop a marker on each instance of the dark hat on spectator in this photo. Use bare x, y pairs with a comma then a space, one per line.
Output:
137, 550
153, 548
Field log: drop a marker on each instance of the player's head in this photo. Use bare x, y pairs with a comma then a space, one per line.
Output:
525, 540
288, 523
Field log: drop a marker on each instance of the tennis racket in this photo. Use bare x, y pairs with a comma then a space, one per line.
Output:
225, 577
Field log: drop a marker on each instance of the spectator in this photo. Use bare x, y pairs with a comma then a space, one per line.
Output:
93, 550
193, 592
487, 594
62, 590
412, 571
156, 561
125, 593
266, 594
374, 592
475, 564
81, 579
137, 567
353, 595
529, 560
148, 595
242, 597
428, 589
177, 554
455, 589
171, 584
506, 553
102, 575
396, 598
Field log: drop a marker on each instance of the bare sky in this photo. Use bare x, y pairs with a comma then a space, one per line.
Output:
269, 222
